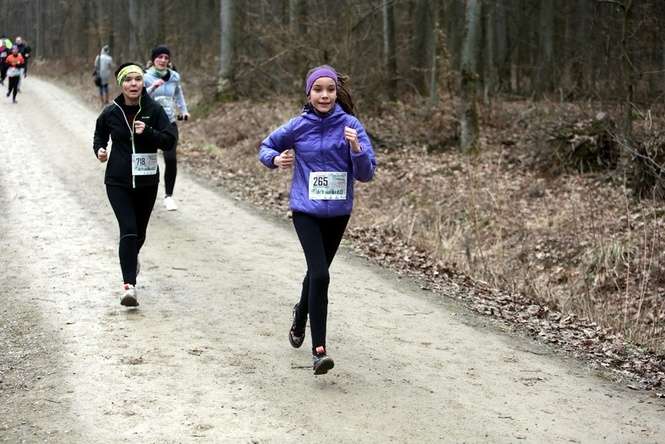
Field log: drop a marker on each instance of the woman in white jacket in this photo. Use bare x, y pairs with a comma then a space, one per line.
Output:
163, 85
104, 72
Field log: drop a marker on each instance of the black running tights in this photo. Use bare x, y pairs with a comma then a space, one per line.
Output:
13, 86
320, 238
132, 208
170, 166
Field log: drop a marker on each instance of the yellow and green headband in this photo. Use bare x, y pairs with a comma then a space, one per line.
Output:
129, 69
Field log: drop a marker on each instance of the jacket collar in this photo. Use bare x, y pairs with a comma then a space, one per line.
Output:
311, 114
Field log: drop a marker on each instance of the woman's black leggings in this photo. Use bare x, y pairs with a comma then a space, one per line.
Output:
132, 208
170, 166
13, 86
320, 238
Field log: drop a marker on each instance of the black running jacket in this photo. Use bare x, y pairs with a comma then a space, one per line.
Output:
159, 133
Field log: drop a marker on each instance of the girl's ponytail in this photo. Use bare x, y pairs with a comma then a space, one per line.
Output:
344, 95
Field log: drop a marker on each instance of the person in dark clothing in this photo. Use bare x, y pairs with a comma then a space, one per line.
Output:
137, 126
25, 51
5, 48
14, 64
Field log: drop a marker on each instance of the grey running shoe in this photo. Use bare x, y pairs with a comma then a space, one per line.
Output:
322, 363
129, 296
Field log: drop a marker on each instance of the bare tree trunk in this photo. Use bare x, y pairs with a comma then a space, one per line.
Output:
628, 70
489, 51
434, 44
133, 15
580, 51
297, 29
421, 50
469, 127
501, 55
389, 54
226, 57
296, 17
39, 28
546, 44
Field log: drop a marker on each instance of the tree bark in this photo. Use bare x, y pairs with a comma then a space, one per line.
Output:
501, 54
225, 90
628, 70
489, 50
435, 38
546, 44
134, 29
424, 27
469, 127
389, 53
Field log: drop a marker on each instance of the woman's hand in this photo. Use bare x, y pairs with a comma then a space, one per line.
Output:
284, 160
157, 83
102, 155
139, 127
351, 136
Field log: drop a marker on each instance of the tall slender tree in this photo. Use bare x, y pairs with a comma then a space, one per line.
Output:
134, 29
546, 44
225, 88
389, 51
469, 127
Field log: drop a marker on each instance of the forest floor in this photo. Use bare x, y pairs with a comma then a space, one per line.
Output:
570, 259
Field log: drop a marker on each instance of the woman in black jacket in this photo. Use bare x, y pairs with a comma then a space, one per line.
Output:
137, 126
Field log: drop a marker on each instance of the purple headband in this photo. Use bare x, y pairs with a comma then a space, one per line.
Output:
317, 74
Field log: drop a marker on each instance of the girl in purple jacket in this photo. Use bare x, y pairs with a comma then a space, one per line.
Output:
329, 150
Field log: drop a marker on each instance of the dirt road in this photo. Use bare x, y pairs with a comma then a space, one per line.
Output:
205, 358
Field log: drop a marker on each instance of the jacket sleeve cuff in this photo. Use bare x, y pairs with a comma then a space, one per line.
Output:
362, 153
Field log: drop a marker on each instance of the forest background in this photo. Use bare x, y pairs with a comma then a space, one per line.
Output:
519, 142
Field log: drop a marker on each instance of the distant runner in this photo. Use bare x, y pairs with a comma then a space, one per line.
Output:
14, 62
137, 126
163, 85
332, 151
103, 67
5, 48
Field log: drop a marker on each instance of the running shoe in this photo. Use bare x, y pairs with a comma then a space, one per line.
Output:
322, 363
169, 203
296, 337
129, 296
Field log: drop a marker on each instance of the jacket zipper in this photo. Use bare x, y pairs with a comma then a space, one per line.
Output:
131, 133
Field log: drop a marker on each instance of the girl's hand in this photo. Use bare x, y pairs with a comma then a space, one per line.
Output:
139, 127
351, 136
284, 160
102, 155
157, 83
